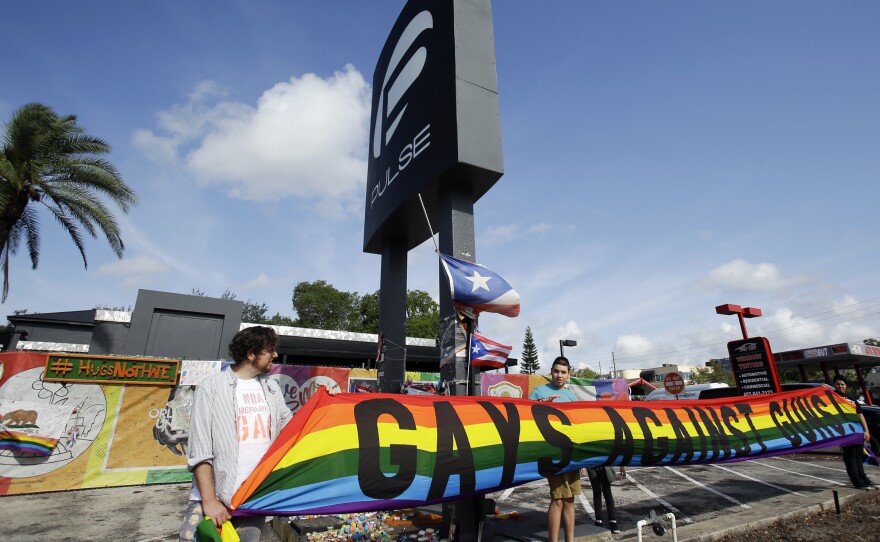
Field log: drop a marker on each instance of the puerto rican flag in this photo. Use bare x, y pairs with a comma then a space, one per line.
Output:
488, 353
476, 289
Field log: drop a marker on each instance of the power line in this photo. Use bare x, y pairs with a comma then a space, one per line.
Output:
711, 344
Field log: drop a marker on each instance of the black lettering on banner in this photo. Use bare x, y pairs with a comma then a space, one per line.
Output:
371, 479
746, 410
718, 441
728, 414
700, 434
684, 444
813, 417
796, 420
623, 445
784, 426
451, 435
828, 417
649, 457
808, 428
546, 465
508, 431
840, 413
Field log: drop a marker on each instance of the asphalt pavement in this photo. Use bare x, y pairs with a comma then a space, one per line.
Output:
708, 501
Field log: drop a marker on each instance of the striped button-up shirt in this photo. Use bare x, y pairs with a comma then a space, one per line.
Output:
213, 435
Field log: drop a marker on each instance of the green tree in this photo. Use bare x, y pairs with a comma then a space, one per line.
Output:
119, 308
254, 312
280, 320
872, 342
586, 372
712, 372
422, 315
368, 313
319, 305
49, 159
528, 364
9, 325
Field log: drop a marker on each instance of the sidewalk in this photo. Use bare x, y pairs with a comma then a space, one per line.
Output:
530, 526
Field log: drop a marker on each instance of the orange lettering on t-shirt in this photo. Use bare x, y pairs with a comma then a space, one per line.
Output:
242, 428
259, 429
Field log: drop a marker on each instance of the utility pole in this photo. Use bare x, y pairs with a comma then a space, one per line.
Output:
614, 364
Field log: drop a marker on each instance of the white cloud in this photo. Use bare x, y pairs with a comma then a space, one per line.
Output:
304, 138
633, 344
742, 276
834, 321
157, 148
258, 282
499, 234
136, 272
139, 265
540, 228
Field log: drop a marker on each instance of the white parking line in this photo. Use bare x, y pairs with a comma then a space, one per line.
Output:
710, 489
506, 494
811, 464
774, 486
756, 462
587, 506
678, 513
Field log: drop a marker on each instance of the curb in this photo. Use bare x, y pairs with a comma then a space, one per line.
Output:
745, 524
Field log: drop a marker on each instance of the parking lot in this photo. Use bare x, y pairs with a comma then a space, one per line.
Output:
700, 494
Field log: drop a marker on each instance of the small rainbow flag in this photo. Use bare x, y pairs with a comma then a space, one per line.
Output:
363, 452
32, 428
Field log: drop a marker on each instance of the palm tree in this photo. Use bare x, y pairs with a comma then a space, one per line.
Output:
50, 160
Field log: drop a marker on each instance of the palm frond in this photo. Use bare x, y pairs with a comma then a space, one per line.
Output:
70, 225
51, 159
31, 223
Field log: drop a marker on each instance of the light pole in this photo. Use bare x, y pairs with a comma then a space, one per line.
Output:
565, 342
747, 312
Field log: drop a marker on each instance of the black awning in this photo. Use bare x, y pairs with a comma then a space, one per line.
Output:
319, 348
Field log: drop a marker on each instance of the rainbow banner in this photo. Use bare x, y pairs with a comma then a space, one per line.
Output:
367, 452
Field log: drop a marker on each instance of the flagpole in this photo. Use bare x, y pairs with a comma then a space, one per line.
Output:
469, 332
428, 220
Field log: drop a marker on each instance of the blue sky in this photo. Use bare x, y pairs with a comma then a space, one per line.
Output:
661, 158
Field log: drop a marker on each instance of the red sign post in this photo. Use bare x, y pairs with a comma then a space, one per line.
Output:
674, 383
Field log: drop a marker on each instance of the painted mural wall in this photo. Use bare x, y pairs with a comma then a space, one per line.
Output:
119, 435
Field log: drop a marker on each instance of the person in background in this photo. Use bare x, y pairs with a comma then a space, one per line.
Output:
601, 484
563, 487
853, 455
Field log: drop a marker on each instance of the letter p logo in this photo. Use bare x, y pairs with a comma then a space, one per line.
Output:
393, 90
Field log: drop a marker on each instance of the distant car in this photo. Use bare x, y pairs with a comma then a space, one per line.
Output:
718, 393
690, 391
872, 416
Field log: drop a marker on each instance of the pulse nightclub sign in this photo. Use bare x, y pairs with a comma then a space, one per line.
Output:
753, 366
434, 117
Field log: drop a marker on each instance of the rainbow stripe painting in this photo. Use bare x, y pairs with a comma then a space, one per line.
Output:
26, 444
31, 428
367, 452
